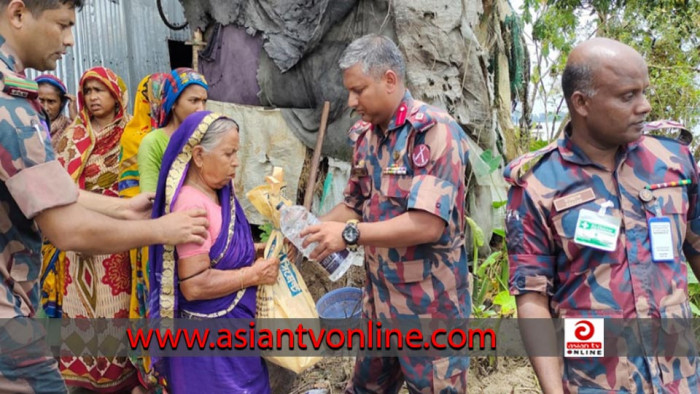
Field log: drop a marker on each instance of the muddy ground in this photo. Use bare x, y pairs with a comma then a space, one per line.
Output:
488, 376
508, 375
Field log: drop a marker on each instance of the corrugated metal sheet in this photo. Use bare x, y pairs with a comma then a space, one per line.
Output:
127, 36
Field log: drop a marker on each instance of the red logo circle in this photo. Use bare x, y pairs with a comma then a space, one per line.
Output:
584, 330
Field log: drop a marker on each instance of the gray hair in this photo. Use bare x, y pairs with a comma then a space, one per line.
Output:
376, 54
577, 77
216, 130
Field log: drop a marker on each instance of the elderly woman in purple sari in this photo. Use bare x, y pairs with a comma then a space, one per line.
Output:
218, 279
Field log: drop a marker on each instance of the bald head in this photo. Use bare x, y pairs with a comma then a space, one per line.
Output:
605, 85
587, 60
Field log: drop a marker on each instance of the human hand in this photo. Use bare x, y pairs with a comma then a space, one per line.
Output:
72, 106
259, 249
293, 253
267, 270
184, 227
329, 236
139, 207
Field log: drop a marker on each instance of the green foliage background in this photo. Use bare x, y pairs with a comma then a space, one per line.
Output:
666, 33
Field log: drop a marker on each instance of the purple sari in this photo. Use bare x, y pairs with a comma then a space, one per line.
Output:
233, 249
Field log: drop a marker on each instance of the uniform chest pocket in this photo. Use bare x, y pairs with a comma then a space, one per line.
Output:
396, 186
581, 257
671, 203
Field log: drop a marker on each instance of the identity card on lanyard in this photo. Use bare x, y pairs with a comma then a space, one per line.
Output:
661, 239
597, 229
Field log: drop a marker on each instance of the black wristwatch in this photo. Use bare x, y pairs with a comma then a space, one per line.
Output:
351, 234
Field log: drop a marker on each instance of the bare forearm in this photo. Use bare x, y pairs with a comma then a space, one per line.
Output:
214, 283
83, 230
408, 229
340, 213
109, 206
537, 333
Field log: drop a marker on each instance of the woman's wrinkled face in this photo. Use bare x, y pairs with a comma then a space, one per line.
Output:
219, 164
98, 99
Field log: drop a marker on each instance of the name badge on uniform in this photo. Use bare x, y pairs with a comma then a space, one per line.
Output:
661, 239
597, 229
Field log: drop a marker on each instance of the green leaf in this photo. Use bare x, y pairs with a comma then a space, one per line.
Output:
477, 232
498, 204
499, 232
489, 262
505, 301
266, 230
505, 273
493, 161
694, 308
691, 275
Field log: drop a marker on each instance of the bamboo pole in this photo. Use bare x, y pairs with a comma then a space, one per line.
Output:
316, 158
197, 43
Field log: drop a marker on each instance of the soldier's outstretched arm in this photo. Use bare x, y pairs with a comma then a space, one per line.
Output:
74, 227
539, 334
408, 229
412, 228
138, 207
340, 213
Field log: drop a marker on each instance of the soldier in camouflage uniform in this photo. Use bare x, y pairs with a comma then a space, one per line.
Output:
407, 187
36, 190
605, 171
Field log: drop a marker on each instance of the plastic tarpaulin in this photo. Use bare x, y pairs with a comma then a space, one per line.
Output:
265, 142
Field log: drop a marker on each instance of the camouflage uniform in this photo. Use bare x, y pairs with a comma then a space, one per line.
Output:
419, 164
549, 189
32, 181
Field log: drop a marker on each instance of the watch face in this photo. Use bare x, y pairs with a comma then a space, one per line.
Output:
350, 234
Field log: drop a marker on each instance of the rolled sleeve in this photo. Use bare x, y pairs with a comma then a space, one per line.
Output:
40, 187
532, 264
531, 274
353, 196
433, 195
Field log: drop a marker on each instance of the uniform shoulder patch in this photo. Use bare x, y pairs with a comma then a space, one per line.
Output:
684, 136
17, 86
421, 119
517, 169
360, 127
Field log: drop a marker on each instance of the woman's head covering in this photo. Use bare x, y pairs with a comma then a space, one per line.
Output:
50, 79
114, 84
147, 107
79, 140
57, 83
178, 80
231, 251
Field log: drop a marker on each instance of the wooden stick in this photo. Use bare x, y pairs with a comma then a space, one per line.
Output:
316, 158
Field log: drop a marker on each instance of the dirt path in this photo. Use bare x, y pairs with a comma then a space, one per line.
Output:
508, 375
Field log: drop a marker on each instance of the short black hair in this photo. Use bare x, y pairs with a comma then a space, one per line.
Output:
577, 77
36, 7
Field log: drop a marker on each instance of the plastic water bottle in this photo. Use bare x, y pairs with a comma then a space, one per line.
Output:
295, 218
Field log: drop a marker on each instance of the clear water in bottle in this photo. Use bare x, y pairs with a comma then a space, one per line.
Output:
295, 218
